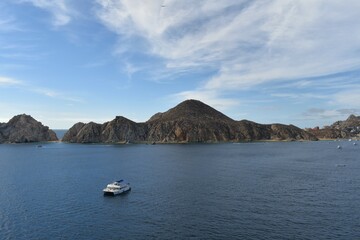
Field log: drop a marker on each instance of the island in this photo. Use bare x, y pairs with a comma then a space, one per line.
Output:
188, 122
25, 129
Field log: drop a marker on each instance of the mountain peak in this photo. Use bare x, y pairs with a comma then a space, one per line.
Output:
190, 109
352, 117
24, 128
22, 119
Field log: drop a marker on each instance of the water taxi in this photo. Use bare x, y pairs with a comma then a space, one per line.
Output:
116, 188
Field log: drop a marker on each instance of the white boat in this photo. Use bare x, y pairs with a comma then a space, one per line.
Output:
117, 188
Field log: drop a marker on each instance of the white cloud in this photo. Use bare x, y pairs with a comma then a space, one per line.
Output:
247, 42
60, 10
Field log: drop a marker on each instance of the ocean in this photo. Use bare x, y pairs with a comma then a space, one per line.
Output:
262, 190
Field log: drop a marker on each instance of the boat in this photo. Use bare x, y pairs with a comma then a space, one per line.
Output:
339, 147
116, 188
341, 165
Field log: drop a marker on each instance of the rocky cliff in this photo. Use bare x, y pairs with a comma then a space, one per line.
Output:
340, 129
116, 131
190, 121
23, 129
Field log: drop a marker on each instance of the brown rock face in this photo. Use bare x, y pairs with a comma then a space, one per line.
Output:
121, 130
23, 128
190, 121
71, 134
118, 130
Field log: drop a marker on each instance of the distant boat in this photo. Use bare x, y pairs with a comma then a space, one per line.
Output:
341, 165
339, 147
39, 146
354, 144
117, 188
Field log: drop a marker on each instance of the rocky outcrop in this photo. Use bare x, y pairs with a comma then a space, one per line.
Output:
350, 125
123, 130
71, 134
23, 129
277, 132
340, 129
190, 121
116, 131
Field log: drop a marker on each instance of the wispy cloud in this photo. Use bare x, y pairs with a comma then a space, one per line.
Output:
350, 98
329, 115
130, 69
55, 94
59, 9
247, 43
5, 81
51, 93
315, 113
8, 24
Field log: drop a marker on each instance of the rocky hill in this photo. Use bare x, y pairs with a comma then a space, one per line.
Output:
190, 121
116, 131
340, 129
23, 129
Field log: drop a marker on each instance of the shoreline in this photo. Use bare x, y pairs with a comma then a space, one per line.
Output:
186, 142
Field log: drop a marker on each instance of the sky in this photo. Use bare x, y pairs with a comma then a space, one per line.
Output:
269, 61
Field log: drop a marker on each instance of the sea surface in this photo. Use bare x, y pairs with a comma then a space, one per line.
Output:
272, 190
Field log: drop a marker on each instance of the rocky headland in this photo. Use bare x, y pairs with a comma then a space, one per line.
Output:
24, 129
190, 121
348, 128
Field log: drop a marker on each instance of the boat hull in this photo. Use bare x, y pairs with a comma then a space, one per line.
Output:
114, 193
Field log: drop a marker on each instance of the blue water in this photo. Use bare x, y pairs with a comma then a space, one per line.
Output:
60, 133
294, 190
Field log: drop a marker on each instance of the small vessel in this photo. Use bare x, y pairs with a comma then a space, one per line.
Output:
116, 188
339, 147
340, 165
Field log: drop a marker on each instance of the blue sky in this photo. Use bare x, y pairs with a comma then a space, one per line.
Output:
292, 62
